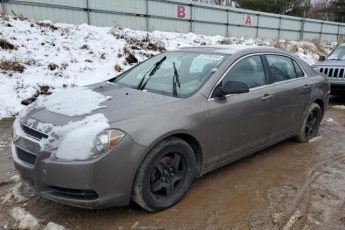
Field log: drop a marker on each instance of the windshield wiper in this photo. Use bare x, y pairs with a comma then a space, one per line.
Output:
151, 72
176, 80
334, 59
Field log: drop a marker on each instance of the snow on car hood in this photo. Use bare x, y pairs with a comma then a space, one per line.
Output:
73, 118
73, 102
116, 102
73, 141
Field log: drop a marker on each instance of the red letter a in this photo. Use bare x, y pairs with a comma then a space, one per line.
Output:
248, 21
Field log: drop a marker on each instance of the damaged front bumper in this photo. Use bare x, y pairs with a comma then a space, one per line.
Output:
98, 183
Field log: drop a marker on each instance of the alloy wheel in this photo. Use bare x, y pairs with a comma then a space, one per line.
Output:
312, 124
168, 175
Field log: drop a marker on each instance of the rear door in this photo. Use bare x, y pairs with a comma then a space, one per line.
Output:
290, 95
240, 122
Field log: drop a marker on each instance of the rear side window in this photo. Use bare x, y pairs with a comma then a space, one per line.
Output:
249, 70
298, 69
281, 67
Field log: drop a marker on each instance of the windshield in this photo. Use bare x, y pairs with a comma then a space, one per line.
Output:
337, 54
182, 72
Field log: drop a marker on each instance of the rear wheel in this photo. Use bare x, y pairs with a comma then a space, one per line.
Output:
311, 123
165, 175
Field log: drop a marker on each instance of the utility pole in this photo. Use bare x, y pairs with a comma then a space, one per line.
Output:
3, 7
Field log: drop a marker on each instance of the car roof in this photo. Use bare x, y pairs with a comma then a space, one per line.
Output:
232, 49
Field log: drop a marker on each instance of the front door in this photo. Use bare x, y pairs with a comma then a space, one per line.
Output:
240, 122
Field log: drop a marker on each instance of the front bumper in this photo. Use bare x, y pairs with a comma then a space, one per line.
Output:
337, 87
98, 183
334, 73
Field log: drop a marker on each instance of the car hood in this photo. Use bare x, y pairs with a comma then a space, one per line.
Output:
331, 63
122, 103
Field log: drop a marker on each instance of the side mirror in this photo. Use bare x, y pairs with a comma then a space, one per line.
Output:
231, 87
322, 58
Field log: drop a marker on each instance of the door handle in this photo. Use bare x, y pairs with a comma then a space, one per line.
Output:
306, 86
306, 89
266, 97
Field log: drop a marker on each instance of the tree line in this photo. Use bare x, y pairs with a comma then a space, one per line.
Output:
331, 10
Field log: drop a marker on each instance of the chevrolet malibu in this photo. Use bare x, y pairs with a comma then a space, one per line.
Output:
148, 133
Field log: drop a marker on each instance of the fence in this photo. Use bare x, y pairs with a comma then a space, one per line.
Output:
177, 15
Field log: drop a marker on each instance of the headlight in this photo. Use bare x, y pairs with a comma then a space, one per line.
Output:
107, 139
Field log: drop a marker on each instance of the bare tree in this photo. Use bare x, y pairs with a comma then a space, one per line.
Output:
319, 9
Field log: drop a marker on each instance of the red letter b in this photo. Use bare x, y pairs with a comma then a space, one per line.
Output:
181, 12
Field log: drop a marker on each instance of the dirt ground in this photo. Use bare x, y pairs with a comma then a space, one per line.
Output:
288, 186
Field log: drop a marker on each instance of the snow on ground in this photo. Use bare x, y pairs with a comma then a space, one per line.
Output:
331, 121
25, 219
28, 221
315, 139
339, 106
53, 226
14, 194
17, 195
38, 58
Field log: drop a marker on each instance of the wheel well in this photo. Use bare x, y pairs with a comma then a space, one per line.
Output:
196, 149
321, 104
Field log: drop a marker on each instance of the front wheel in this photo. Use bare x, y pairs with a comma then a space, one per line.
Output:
165, 175
311, 123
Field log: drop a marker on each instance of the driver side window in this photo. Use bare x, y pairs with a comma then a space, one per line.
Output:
249, 70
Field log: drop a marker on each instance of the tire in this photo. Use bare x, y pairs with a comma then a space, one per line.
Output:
311, 124
165, 175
